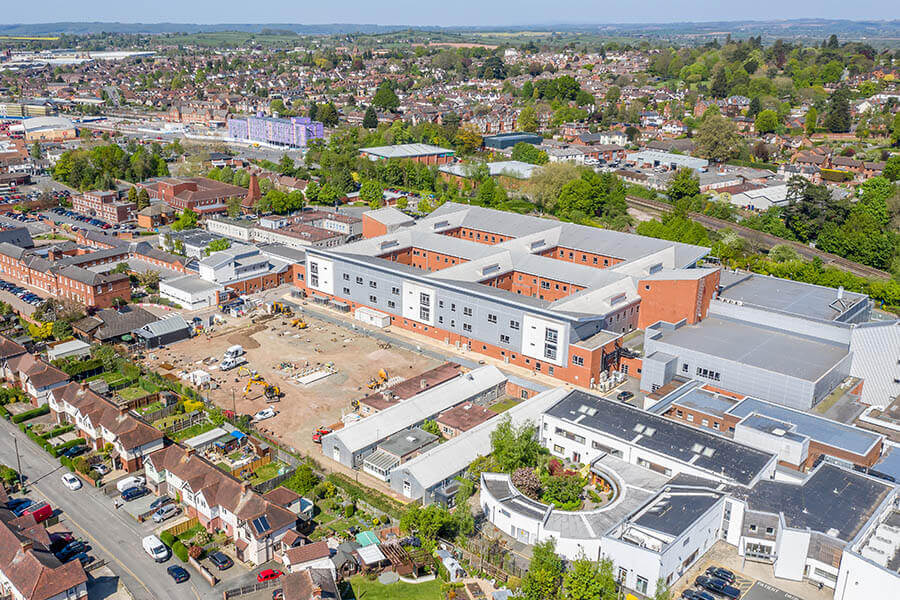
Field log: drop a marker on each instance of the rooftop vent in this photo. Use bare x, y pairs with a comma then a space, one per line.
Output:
639, 428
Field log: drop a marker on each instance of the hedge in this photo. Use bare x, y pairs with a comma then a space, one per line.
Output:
39, 440
58, 430
4, 413
30, 414
57, 450
376, 499
167, 538
179, 550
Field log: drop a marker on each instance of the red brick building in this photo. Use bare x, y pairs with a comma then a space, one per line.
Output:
103, 205
200, 194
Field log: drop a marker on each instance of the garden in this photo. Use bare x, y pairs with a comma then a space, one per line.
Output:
362, 588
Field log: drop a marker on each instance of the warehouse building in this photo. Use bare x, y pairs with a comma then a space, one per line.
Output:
505, 141
423, 153
352, 444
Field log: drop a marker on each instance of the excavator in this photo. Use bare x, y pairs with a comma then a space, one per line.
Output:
272, 392
299, 324
378, 381
280, 308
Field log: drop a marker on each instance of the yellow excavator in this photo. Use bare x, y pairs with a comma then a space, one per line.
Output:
299, 324
272, 392
380, 380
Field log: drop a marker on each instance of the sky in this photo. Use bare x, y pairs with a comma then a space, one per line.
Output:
438, 12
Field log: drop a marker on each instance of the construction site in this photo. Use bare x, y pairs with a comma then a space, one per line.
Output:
310, 373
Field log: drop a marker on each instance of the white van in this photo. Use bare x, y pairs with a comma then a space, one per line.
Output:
234, 351
130, 482
229, 363
155, 548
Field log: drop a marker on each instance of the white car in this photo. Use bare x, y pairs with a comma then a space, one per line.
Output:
101, 468
71, 482
266, 413
130, 482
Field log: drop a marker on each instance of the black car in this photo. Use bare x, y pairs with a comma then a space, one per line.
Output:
160, 502
70, 550
720, 573
76, 451
133, 493
717, 586
179, 574
220, 560
696, 595
624, 396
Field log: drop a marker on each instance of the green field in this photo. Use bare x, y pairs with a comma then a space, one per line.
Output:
504, 405
230, 38
372, 590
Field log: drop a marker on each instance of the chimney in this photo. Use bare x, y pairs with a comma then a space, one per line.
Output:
189, 452
423, 383
317, 592
245, 487
253, 193
840, 293
26, 545
123, 410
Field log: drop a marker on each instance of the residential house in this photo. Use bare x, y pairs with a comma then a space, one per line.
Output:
35, 377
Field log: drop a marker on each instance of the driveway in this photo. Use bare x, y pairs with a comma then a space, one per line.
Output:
113, 535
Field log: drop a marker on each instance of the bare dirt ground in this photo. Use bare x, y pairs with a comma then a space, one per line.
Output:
277, 351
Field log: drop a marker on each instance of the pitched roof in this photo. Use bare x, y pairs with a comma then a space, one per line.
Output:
304, 554
9, 348
110, 323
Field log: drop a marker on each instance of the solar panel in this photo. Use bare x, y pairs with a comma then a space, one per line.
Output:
261, 524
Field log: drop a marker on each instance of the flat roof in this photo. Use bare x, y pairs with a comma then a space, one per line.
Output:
706, 402
778, 351
716, 454
405, 150
835, 434
673, 511
784, 295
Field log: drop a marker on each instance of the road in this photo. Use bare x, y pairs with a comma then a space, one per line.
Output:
88, 514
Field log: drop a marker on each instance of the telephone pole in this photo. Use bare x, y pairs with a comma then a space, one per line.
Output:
18, 463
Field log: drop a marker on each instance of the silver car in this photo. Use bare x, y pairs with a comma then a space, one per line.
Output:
165, 512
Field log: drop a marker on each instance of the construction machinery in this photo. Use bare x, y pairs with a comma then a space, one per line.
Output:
280, 308
378, 381
319, 433
272, 392
299, 323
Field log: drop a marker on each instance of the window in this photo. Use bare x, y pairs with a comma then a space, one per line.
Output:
623, 572
346, 277
395, 291
347, 291
424, 299
551, 336
424, 313
440, 303
770, 530
440, 319
504, 339
373, 299
492, 318
550, 351
514, 325
545, 285
753, 528
359, 280
578, 361
684, 368
391, 304
641, 585
467, 311
559, 449
467, 327
452, 307
372, 284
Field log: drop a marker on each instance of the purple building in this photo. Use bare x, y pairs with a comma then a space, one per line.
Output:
295, 132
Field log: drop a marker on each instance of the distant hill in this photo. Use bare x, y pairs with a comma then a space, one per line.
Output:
795, 28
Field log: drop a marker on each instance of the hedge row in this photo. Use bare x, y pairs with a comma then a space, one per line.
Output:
376, 499
39, 440
181, 551
4, 413
167, 538
58, 430
30, 414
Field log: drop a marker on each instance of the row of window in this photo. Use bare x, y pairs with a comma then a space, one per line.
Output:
701, 372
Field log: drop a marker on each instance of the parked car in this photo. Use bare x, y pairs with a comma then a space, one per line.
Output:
179, 574
160, 502
165, 512
18, 504
130, 482
266, 413
220, 560
720, 573
41, 511
83, 557
71, 482
76, 451
717, 586
624, 396
268, 575
70, 550
155, 548
101, 468
696, 595
134, 493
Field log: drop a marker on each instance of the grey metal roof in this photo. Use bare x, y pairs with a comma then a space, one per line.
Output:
673, 512
778, 351
409, 440
191, 284
703, 450
705, 402
784, 295
835, 434
169, 324
405, 150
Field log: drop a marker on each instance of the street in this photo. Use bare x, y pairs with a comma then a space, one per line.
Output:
112, 534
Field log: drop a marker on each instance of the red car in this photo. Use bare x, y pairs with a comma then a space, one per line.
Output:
268, 575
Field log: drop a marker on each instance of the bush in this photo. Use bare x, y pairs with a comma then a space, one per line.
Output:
8, 475
195, 551
167, 538
66, 462
349, 509
30, 414
4, 413
58, 430
202, 538
179, 550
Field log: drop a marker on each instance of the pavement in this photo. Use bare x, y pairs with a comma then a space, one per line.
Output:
113, 535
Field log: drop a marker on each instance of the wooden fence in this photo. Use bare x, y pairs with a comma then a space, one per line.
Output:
177, 530
193, 418
270, 484
250, 467
160, 413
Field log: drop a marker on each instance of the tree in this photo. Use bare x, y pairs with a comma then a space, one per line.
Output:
431, 427
632, 133
544, 576
515, 446
546, 185
468, 138
285, 165
719, 85
370, 119
838, 118
217, 246
684, 185
150, 278
143, 199
372, 194
328, 114
895, 130
662, 590
312, 191
36, 151
717, 139
587, 580
766, 121
755, 107
529, 153
233, 207
303, 481
812, 116
385, 98
188, 219
527, 120
132, 195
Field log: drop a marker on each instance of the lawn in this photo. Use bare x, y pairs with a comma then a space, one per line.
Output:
372, 590
152, 407
267, 471
133, 392
191, 431
504, 405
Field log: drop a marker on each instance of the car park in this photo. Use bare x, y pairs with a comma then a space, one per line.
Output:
134, 493
268, 575
71, 481
221, 561
179, 574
